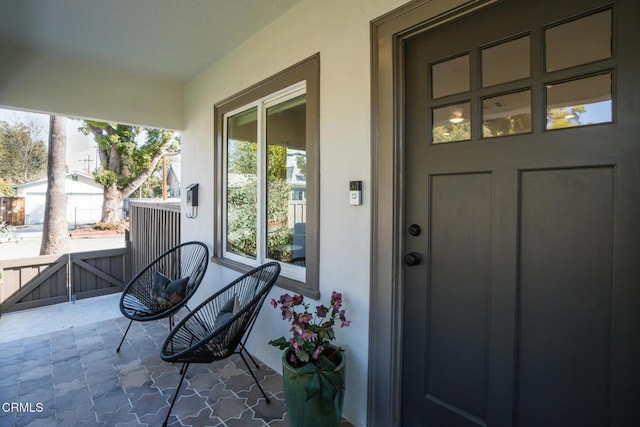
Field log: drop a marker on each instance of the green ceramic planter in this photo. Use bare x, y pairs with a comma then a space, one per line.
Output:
310, 413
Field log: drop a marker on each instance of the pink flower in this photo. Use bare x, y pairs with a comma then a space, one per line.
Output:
318, 351
286, 313
336, 300
311, 331
321, 311
305, 318
285, 300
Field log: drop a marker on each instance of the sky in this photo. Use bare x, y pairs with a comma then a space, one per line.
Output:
80, 148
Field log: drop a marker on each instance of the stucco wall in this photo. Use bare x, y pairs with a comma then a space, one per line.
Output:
47, 84
339, 30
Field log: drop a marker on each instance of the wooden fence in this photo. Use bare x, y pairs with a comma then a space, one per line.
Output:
52, 279
44, 280
154, 229
12, 210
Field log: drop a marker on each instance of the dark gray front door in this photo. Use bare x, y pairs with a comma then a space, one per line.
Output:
521, 289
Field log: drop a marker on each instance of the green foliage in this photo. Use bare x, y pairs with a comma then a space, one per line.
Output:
242, 199
23, 158
5, 189
152, 187
123, 157
509, 125
452, 132
301, 163
242, 218
106, 178
558, 118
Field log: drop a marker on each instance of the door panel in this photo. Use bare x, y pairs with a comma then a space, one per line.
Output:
564, 322
460, 231
524, 309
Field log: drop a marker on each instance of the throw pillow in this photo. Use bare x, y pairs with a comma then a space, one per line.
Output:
231, 307
166, 292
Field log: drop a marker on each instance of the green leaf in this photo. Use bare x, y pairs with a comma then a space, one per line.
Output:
313, 386
328, 391
281, 343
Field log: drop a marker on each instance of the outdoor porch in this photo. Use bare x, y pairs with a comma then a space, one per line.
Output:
71, 375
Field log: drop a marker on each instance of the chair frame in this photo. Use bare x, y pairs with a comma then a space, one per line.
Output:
147, 315
236, 344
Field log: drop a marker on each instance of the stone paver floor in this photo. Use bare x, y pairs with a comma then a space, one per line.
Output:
74, 377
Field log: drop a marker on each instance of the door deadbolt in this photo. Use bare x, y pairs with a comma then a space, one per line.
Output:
415, 230
412, 258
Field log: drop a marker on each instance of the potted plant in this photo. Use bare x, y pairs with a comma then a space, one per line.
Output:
313, 369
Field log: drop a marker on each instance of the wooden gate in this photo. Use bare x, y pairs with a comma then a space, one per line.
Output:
12, 210
45, 280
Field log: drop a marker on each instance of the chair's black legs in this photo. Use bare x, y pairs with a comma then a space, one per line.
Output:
254, 377
184, 372
125, 334
249, 354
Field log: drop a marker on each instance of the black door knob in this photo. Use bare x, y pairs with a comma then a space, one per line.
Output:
415, 230
412, 258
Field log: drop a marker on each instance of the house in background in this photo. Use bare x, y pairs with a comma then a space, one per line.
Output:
491, 272
84, 199
173, 179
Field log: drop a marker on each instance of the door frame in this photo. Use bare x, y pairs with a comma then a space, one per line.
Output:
388, 34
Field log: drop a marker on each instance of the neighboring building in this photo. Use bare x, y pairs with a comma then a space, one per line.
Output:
84, 199
173, 179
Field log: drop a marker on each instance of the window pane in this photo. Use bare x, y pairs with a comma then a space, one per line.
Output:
287, 181
578, 42
450, 77
506, 62
451, 123
242, 183
579, 102
507, 114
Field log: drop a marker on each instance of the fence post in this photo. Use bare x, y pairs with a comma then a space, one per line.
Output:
128, 274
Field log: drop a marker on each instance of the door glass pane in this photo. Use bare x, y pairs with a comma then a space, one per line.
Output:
287, 181
449, 77
451, 123
507, 114
578, 42
579, 102
506, 62
242, 183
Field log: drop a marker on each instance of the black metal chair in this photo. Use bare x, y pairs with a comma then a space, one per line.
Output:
140, 301
220, 326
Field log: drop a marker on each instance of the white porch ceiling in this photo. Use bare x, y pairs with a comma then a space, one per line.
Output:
164, 39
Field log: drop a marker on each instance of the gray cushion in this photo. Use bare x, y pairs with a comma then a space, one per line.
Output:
166, 292
226, 312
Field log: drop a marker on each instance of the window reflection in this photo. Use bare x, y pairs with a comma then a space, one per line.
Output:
242, 183
451, 123
579, 102
508, 114
287, 181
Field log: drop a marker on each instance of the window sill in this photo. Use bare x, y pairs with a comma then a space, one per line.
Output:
283, 282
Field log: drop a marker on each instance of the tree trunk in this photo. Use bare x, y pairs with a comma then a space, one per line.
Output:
111, 204
55, 229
